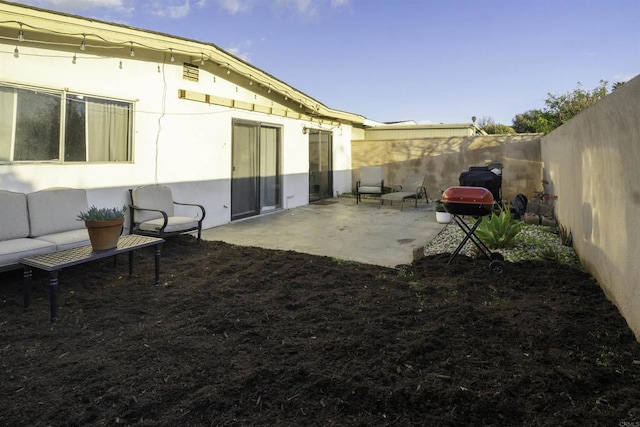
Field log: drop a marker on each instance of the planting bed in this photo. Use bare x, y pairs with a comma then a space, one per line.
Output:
238, 336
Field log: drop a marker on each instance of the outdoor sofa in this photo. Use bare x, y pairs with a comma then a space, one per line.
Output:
40, 222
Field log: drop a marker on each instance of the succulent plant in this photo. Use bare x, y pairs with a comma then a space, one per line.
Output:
440, 206
97, 214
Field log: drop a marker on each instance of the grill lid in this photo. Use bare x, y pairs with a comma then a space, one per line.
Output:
468, 196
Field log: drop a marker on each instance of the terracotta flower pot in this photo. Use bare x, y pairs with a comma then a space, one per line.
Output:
104, 234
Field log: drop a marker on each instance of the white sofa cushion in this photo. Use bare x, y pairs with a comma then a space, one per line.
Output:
55, 210
14, 219
12, 251
67, 239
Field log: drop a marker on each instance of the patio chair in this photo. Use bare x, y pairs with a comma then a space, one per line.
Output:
414, 187
152, 213
371, 181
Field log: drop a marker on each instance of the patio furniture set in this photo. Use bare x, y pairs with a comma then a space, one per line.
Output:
372, 182
40, 230
478, 195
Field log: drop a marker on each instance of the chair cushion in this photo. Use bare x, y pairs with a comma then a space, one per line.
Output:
413, 182
12, 251
398, 196
67, 239
14, 217
152, 197
369, 190
55, 210
371, 175
175, 224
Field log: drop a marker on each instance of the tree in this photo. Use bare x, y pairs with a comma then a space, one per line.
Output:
616, 85
498, 129
489, 125
559, 108
532, 121
485, 121
567, 106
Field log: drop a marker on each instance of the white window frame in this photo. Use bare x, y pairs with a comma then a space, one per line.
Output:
62, 144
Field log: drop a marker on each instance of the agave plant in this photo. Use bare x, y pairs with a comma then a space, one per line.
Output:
98, 214
497, 231
565, 235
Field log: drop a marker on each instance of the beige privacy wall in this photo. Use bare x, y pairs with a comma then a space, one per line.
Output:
593, 164
443, 159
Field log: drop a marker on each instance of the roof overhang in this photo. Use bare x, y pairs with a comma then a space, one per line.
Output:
70, 32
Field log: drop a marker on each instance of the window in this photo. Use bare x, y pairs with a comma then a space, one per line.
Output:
43, 125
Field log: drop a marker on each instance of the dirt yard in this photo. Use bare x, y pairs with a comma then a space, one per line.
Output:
238, 336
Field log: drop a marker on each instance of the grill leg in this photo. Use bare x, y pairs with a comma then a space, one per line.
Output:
468, 230
480, 244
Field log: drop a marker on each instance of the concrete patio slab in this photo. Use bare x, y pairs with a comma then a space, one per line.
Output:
367, 232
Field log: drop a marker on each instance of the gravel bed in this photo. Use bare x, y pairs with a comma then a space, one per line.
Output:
533, 242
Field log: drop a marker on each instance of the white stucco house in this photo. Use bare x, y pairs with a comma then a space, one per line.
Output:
106, 107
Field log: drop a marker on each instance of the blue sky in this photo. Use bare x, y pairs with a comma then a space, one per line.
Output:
437, 61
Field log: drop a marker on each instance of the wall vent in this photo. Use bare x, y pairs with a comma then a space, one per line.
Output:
190, 72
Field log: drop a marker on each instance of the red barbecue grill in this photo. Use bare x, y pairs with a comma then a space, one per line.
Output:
475, 202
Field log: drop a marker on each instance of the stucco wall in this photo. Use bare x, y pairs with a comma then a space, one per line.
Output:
593, 165
181, 143
443, 159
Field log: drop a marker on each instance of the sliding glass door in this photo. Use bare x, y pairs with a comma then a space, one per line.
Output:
320, 165
255, 176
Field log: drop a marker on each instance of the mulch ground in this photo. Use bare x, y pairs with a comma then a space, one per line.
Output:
240, 336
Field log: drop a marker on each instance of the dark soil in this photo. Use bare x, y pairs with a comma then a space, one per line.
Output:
239, 336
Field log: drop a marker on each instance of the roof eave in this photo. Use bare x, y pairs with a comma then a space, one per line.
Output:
35, 20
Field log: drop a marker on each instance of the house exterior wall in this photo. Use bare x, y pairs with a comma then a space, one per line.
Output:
177, 142
592, 164
443, 159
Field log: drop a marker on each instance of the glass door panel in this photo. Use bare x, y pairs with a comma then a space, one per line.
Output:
320, 165
269, 167
255, 179
244, 171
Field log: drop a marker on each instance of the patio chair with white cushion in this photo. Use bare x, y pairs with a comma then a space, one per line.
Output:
371, 181
414, 187
152, 213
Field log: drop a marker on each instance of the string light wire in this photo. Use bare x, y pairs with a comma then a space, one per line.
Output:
109, 44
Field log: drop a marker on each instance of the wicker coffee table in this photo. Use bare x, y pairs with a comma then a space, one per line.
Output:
56, 261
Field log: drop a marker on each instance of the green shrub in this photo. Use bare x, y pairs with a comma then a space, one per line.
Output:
548, 253
497, 231
565, 235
